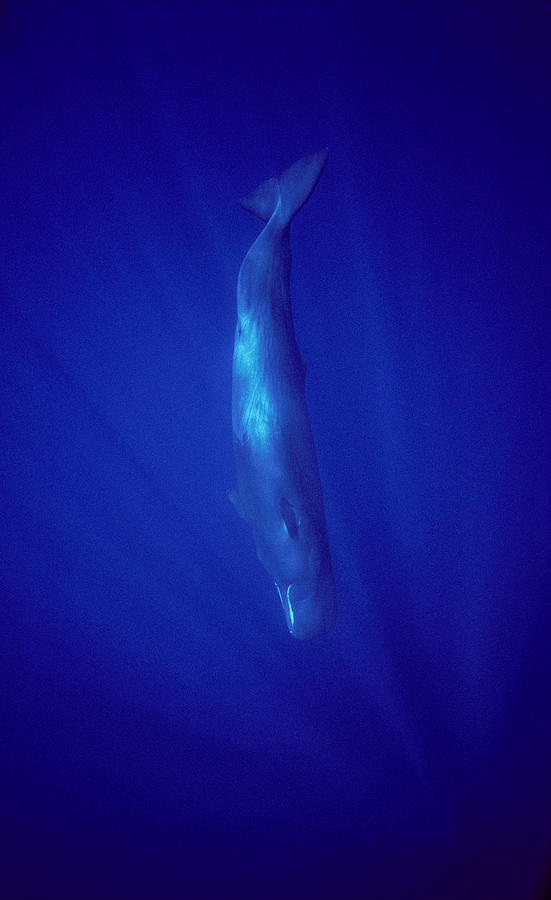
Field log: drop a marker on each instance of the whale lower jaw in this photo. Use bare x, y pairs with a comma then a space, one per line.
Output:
306, 619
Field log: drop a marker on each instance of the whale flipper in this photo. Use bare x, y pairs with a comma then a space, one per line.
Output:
289, 517
291, 189
233, 496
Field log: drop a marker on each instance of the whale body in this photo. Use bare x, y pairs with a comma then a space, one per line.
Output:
278, 489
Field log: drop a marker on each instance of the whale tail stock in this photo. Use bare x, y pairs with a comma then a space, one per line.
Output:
291, 189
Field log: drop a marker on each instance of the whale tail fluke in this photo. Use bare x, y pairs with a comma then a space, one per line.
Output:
291, 190
263, 200
298, 181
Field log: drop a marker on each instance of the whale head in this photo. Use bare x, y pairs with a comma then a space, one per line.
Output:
293, 548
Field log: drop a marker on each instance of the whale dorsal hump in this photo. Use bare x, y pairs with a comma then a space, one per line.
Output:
289, 518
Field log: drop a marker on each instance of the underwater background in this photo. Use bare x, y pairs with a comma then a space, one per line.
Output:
162, 735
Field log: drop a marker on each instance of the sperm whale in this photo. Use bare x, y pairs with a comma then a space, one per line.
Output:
278, 490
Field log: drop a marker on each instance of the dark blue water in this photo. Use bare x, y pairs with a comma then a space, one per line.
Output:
162, 734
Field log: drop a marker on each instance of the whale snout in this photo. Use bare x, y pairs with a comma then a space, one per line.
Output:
310, 610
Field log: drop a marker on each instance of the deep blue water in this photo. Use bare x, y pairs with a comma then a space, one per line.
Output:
162, 734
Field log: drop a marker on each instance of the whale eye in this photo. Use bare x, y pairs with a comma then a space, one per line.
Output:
289, 518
